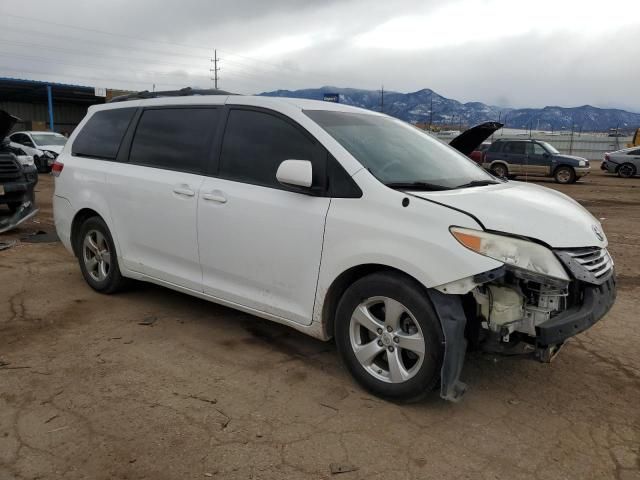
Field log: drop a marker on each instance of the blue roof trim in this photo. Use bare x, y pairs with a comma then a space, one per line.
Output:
40, 82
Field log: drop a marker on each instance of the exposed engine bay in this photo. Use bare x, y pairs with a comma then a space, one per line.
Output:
511, 311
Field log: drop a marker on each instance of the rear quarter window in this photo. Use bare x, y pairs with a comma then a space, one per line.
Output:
102, 134
174, 138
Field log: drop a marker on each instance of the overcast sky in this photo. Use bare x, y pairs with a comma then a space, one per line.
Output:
504, 52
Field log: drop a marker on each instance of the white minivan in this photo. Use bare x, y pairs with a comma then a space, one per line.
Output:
337, 221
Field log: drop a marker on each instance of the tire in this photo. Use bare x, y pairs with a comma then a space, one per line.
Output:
416, 326
626, 170
500, 170
97, 257
564, 175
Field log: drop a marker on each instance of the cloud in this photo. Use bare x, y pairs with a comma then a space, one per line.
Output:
495, 51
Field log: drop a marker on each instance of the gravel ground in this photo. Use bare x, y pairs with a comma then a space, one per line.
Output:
155, 384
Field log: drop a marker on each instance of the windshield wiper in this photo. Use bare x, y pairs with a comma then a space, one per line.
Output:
478, 183
416, 186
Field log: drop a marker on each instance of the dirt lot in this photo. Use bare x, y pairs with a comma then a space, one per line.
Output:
203, 391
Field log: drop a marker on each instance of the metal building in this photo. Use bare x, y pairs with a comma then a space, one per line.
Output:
46, 105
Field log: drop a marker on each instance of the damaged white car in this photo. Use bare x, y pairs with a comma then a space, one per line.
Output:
336, 221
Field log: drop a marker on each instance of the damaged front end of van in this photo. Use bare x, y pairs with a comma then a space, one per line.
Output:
532, 304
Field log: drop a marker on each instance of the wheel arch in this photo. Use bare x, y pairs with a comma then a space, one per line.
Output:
496, 162
79, 218
567, 165
346, 279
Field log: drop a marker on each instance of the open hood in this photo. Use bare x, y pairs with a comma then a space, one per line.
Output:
526, 210
471, 138
7, 122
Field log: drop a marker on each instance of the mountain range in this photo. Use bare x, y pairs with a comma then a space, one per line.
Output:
415, 107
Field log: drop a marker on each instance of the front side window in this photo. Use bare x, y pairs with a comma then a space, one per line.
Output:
398, 154
550, 148
174, 138
256, 143
634, 152
48, 139
535, 149
22, 139
102, 134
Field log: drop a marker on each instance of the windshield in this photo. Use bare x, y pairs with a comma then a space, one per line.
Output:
550, 148
41, 139
397, 153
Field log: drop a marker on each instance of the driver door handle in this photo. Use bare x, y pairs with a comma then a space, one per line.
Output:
184, 190
215, 196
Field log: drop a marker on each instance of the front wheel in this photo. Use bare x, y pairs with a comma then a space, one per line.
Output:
626, 170
564, 175
390, 337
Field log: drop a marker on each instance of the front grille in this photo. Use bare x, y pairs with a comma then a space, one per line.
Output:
9, 168
589, 264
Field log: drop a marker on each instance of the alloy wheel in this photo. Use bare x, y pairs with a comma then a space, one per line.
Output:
96, 255
386, 339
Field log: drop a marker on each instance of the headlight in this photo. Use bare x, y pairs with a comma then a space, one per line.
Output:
25, 160
512, 251
582, 163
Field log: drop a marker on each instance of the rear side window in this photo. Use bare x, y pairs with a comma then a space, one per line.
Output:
515, 147
102, 134
256, 143
174, 138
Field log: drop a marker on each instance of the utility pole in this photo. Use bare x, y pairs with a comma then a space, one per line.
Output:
382, 99
215, 69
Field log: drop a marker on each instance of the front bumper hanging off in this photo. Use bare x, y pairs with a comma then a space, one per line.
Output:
592, 302
597, 301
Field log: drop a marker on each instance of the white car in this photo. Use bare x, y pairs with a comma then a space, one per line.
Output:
336, 221
44, 147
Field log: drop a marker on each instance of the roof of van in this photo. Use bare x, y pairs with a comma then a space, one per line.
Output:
230, 99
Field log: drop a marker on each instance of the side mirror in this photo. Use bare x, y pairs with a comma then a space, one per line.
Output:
546, 155
297, 173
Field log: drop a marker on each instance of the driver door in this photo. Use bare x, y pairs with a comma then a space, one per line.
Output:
539, 161
260, 244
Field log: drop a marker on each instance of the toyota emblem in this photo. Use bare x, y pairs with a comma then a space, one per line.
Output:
598, 232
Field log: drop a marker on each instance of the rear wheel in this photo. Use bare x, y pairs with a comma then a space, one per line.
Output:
626, 170
389, 336
500, 170
97, 257
565, 175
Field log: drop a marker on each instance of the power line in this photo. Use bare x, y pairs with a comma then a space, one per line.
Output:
84, 40
93, 66
99, 79
92, 54
102, 31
